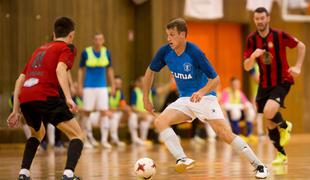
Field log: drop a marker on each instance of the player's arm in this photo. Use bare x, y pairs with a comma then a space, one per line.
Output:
210, 86
110, 72
14, 116
147, 84
63, 79
295, 70
249, 63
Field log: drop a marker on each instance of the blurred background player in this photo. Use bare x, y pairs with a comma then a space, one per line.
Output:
267, 47
236, 104
118, 105
95, 67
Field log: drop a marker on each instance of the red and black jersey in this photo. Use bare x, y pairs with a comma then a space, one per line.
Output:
275, 43
40, 72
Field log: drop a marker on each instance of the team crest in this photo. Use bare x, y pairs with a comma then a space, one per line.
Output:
270, 45
187, 67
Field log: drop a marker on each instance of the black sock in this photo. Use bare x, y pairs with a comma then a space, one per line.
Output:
74, 153
279, 120
29, 152
274, 136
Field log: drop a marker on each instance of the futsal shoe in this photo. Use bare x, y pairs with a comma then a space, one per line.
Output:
280, 159
64, 177
119, 143
23, 177
261, 172
184, 164
285, 134
106, 145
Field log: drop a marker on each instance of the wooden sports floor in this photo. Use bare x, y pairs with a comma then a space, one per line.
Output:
213, 161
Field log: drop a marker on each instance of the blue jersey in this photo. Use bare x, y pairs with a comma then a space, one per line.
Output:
95, 76
190, 70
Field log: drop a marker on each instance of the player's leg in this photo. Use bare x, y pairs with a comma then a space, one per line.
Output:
274, 119
102, 104
145, 124
73, 131
162, 124
133, 128
223, 131
89, 100
115, 121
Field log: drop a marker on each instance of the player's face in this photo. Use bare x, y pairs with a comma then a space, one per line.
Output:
98, 40
118, 83
261, 21
236, 84
174, 38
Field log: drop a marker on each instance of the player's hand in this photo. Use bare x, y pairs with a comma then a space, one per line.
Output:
148, 105
196, 97
72, 106
294, 71
13, 119
258, 52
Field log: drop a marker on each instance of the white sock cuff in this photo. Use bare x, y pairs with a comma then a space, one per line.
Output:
165, 134
26, 172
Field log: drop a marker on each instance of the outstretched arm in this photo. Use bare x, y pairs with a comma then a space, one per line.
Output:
14, 116
147, 84
210, 86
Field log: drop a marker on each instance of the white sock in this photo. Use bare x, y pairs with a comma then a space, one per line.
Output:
51, 134
68, 173
88, 127
172, 142
104, 129
133, 125
27, 131
243, 148
144, 127
25, 172
114, 126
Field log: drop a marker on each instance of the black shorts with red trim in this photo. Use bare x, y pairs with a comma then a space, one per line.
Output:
54, 110
276, 93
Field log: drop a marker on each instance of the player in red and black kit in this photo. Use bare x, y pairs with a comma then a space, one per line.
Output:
37, 95
267, 47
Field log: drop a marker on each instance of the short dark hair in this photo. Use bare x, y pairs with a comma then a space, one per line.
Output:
261, 10
63, 26
117, 77
232, 79
178, 23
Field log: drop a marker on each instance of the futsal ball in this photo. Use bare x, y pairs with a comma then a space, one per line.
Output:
145, 169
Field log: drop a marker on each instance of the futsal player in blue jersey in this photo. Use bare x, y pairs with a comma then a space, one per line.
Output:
196, 81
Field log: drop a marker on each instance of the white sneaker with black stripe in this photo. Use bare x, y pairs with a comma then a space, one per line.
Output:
261, 172
183, 164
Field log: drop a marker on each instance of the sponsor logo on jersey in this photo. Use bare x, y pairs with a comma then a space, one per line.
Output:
181, 75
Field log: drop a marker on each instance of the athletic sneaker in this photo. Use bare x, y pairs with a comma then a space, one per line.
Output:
285, 134
261, 172
23, 177
120, 144
93, 141
280, 159
183, 164
64, 177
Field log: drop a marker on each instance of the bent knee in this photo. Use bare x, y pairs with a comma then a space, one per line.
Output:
269, 113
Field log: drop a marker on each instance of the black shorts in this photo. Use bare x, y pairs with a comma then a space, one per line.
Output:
54, 110
277, 93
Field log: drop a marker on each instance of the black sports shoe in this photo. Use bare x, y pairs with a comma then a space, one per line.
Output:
23, 177
64, 177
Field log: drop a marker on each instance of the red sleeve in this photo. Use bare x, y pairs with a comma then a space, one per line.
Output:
289, 40
67, 55
248, 48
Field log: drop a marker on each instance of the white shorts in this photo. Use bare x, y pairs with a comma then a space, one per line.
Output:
95, 99
207, 108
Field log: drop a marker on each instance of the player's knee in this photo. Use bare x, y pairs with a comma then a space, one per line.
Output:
269, 113
270, 124
160, 124
39, 134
